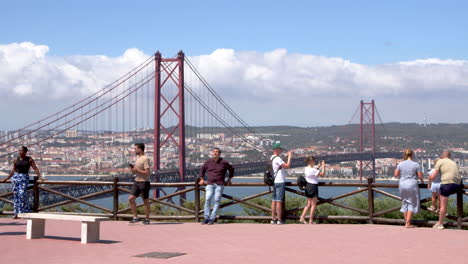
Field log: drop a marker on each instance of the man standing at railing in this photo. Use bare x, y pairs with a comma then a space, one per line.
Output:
216, 169
450, 183
141, 186
279, 186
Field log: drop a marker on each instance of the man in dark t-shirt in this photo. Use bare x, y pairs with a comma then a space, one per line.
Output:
216, 169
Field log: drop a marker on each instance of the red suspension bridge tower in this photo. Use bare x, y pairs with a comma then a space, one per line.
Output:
169, 71
367, 140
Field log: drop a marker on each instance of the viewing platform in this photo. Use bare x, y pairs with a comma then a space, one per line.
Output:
121, 242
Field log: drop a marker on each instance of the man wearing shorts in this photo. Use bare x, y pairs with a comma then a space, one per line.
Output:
450, 183
141, 186
279, 173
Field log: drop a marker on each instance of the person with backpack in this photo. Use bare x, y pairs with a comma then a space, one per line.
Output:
279, 175
311, 175
20, 181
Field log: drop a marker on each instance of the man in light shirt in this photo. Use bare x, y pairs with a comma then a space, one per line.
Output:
141, 186
450, 183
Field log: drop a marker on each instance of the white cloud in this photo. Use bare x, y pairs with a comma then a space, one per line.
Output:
244, 78
277, 72
27, 70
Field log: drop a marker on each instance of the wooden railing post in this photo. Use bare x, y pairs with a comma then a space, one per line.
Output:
282, 217
115, 206
36, 195
460, 208
197, 201
370, 197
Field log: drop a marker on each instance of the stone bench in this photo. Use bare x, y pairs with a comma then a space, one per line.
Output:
89, 224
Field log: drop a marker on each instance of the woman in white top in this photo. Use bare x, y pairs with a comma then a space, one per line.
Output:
434, 186
311, 175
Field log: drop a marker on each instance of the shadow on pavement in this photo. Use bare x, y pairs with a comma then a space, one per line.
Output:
12, 224
79, 239
12, 233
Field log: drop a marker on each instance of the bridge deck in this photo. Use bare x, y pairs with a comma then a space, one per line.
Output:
234, 243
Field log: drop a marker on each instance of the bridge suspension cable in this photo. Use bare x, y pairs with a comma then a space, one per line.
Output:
63, 114
223, 103
90, 113
213, 112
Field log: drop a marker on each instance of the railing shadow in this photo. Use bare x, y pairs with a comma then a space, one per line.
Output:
79, 239
12, 233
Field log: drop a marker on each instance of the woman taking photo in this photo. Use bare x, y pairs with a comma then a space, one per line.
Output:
20, 181
311, 175
409, 172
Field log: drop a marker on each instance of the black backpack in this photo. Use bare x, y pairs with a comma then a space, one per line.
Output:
301, 182
268, 175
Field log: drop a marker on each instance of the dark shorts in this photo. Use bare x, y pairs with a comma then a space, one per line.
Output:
278, 192
311, 190
142, 188
449, 189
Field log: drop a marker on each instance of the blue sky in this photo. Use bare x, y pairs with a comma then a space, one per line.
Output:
410, 56
368, 32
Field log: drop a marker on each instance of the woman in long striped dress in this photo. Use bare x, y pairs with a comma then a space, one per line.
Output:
409, 172
20, 181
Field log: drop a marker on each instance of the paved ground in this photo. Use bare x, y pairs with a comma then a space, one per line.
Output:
234, 243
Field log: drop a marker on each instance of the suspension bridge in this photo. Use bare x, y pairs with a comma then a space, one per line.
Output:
167, 104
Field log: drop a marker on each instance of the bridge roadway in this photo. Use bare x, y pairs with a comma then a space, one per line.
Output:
47, 198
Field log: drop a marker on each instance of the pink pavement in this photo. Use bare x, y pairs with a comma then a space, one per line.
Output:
233, 243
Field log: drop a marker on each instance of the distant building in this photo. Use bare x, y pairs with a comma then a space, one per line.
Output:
71, 133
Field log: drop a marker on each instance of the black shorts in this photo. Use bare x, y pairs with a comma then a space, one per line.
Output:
141, 188
311, 190
449, 189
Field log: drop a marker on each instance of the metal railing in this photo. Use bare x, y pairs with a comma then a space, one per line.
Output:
195, 213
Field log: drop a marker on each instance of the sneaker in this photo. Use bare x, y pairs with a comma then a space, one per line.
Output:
146, 222
273, 222
205, 221
280, 222
134, 220
431, 208
438, 226
210, 222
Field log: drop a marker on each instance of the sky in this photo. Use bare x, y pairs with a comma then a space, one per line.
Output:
305, 63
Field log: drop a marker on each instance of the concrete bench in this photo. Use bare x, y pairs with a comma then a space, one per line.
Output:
89, 225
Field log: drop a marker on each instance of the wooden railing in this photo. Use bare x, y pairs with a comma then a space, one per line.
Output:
195, 212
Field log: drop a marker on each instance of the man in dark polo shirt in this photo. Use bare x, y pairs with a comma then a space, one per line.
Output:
216, 169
